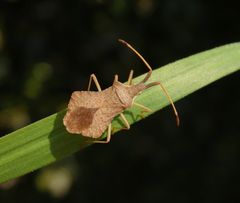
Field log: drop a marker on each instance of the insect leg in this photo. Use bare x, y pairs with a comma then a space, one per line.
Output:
142, 106
116, 78
125, 121
94, 78
169, 98
129, 82
145, 109
108, 136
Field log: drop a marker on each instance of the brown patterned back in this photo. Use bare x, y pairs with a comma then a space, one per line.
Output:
90, 113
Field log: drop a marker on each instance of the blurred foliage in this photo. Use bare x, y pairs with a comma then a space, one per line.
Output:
57, 179
49, 48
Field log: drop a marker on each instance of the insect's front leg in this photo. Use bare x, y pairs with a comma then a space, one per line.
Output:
146, 109
130, 77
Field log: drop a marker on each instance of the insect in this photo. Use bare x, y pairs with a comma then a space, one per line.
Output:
90, 113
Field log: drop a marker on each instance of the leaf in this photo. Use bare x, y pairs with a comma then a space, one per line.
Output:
46, 141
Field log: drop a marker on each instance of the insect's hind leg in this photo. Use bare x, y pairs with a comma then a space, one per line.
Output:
94, 78
109, 133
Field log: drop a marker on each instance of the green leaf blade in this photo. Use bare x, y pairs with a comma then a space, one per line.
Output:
46, 141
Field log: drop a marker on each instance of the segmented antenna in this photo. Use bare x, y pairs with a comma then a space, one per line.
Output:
153, 83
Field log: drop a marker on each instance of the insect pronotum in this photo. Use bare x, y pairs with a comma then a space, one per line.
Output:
90, 113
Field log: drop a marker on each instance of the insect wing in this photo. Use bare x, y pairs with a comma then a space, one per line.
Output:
88, 116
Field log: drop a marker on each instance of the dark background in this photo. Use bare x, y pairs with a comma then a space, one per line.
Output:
49, 48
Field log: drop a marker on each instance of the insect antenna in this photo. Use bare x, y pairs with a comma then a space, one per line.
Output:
153, 83
169, 98
140, 56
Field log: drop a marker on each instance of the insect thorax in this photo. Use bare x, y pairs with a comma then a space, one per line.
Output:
126, 93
